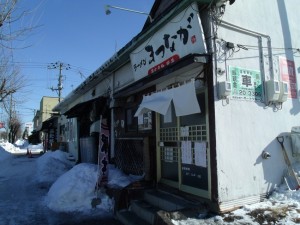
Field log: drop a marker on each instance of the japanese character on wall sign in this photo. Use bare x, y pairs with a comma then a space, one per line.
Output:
183, 35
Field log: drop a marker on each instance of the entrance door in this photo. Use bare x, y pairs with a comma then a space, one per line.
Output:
169, 148
183, 150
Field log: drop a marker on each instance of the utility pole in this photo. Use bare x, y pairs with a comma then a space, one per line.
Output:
60, 66
10, 121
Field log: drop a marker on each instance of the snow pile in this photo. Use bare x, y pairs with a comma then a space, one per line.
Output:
74, 190
21, 146
9, 147
21, 143
50, 166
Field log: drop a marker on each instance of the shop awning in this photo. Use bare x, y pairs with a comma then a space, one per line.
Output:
50, 123
83, 108
184, 99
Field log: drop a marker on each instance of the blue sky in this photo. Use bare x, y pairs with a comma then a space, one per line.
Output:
75, 32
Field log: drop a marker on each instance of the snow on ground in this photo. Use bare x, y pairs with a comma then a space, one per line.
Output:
21, 147
282, 207
21, 143
74, 196
50, 166
9, 147
72, 190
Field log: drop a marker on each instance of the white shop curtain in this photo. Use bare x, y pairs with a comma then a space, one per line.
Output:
184, 99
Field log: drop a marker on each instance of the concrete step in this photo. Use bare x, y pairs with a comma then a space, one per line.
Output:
157, 207
165, 201
144, 210
127, 217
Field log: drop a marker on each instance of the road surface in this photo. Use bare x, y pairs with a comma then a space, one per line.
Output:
21, 199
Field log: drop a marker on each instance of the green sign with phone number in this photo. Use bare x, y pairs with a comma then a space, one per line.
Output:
245, 84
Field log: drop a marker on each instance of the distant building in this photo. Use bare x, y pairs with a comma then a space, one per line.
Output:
29, 127
45, 112
43, 121
46, 106
36, 120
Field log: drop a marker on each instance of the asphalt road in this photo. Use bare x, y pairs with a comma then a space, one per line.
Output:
21, 200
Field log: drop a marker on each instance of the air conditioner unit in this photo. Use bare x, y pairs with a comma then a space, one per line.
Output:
273, 90
284, 91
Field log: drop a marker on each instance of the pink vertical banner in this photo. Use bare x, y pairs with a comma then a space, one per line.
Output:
288, 74
103, 154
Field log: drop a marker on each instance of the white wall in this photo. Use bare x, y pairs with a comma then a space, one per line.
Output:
246, 128
123, 77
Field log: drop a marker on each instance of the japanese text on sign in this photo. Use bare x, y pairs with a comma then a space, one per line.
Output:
246, 84
288, 74
169, 43
172, 42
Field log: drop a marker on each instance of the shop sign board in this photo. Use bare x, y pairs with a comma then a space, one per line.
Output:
181, 36
246, 84
288, 74
29, 127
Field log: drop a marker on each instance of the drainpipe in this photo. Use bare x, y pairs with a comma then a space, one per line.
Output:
261, 56
259, 36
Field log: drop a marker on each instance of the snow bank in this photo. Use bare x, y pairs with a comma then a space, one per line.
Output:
74, 190
20, 147
21, 143
9, 147
50, 166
